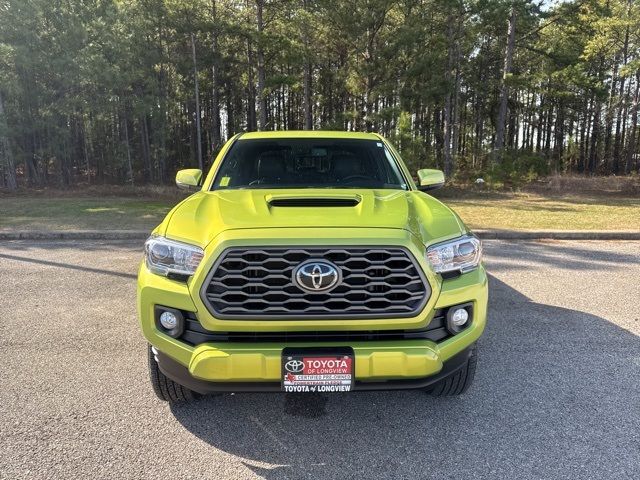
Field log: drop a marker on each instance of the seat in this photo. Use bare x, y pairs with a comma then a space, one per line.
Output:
345, 166
271, 167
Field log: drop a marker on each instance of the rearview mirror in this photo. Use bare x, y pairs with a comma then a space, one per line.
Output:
430, 179
189, 179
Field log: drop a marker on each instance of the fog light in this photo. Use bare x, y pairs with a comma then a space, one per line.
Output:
458, 317
168, 320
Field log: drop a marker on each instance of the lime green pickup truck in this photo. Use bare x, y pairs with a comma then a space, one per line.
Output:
311, 262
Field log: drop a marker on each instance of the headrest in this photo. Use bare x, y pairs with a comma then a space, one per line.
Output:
345, 165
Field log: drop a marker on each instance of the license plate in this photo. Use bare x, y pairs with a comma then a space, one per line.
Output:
317, 372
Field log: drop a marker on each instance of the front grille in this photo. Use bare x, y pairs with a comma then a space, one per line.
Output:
194, 334
258, 283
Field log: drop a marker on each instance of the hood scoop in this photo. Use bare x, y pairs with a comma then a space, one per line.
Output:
310, 201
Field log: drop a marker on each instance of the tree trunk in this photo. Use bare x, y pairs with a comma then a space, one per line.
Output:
446, 122
594, 156
308, 107
231, 118
609, 116
6, 155
479, 132
216, 137
595, 133
197, 94
504, 89
85, 151
558, 147
439, 138
251, 93
262, 98
540, 123
618, 141
455, 114
462, 128
583, 140
161, 120
631, 143
126, 138
30, 159
146, 154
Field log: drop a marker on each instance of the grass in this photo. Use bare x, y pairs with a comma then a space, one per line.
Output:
516, 211
83, 213
546, 212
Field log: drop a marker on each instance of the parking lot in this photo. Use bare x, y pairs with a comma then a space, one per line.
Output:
557, 392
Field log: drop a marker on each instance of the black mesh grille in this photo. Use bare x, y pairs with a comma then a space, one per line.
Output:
258, 283
195, 334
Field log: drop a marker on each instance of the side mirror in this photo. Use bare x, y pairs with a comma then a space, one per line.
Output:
189, 179
430, 179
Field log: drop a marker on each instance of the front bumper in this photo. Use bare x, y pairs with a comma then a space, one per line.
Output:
216, 366
180, 374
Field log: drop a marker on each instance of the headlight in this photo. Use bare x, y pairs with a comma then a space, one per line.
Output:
164, 256
461, 254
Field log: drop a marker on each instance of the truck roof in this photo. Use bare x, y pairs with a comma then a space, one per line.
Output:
308, 134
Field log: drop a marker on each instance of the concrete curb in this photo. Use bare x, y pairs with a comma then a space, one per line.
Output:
485, 234
74, 235
558, 234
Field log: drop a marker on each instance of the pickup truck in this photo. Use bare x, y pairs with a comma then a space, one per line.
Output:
311, 262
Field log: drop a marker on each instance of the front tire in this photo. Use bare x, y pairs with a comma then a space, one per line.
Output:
165, 388
460, 381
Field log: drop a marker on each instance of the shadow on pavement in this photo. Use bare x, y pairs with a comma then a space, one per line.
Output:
77, 245
69, 266
557, 254
556, 395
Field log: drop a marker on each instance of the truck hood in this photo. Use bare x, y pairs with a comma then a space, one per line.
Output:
201, 217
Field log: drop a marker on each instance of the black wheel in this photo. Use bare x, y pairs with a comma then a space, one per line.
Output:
459, 382
165, 388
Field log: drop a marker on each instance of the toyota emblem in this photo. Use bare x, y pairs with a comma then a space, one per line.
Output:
316, 276
294, 366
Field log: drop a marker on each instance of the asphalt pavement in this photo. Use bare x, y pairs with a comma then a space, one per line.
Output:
557, 391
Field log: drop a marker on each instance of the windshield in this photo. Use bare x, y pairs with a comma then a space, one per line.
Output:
308, 163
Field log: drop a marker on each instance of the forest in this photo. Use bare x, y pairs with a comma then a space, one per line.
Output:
129, 91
